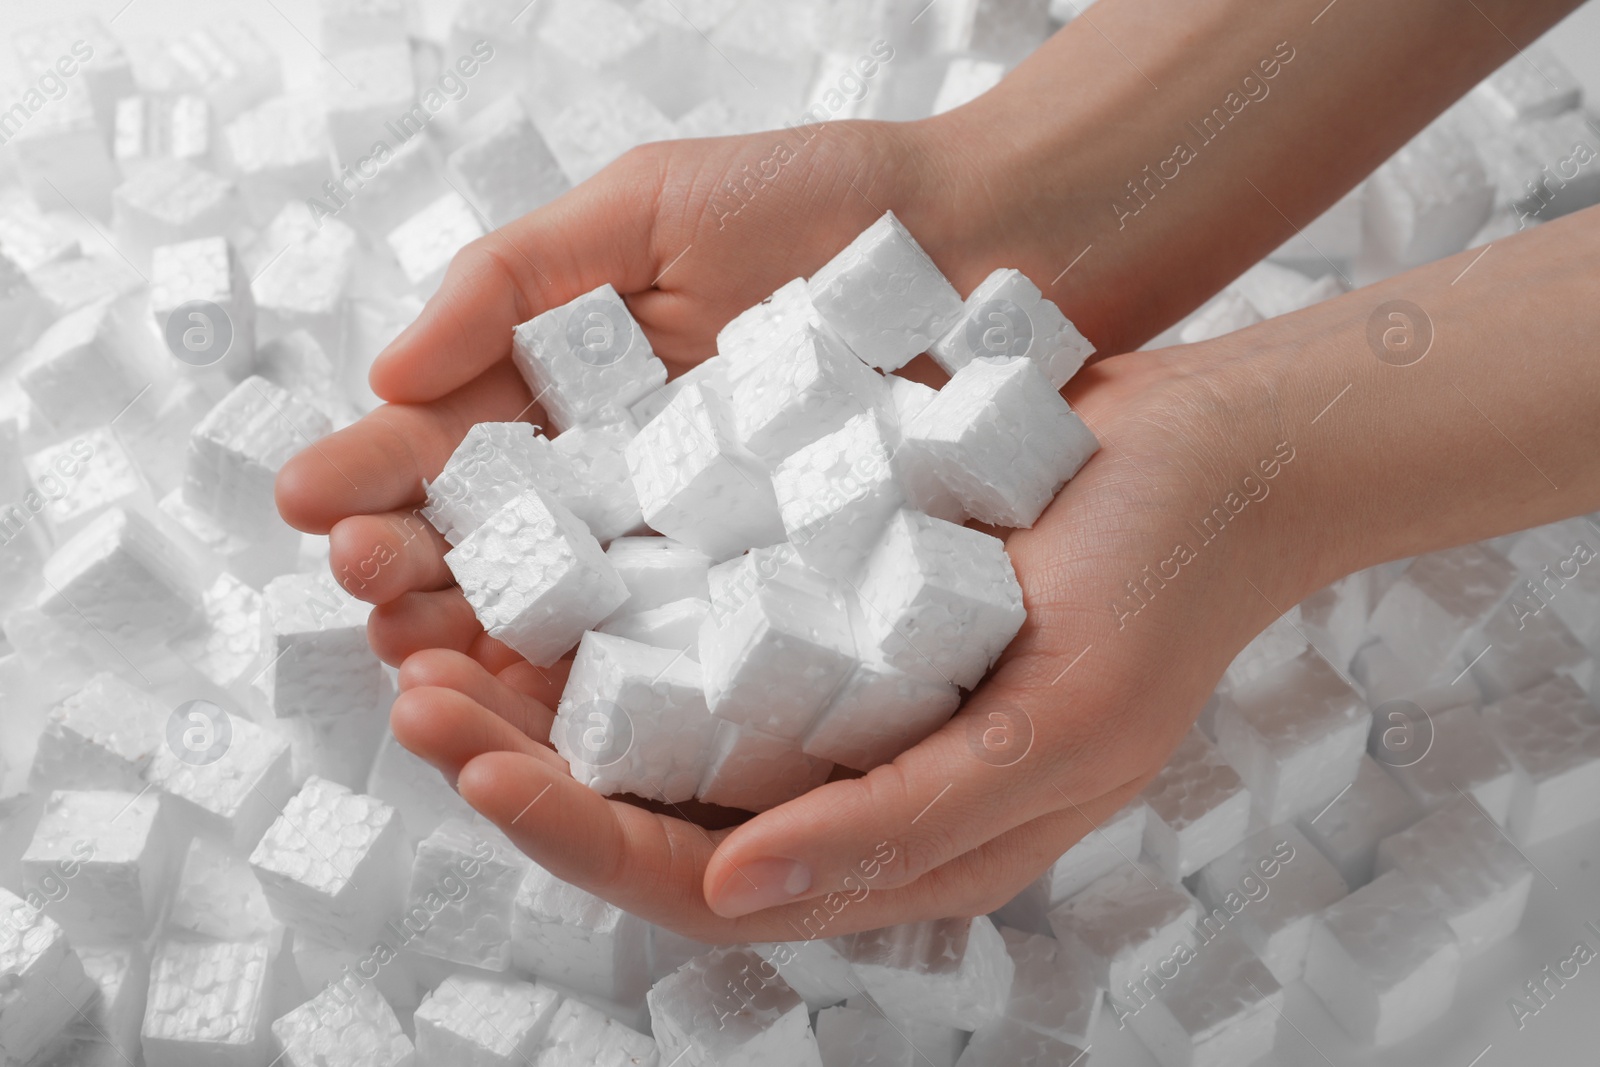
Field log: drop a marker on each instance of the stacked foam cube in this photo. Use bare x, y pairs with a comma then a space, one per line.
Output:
212, 850
798, 608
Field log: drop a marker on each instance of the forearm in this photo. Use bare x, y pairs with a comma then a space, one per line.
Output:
1495, 426
1160, 147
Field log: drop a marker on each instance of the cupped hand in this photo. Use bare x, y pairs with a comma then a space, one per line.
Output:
1086, 704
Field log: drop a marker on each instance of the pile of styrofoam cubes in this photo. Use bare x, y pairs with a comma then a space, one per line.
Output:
213, 851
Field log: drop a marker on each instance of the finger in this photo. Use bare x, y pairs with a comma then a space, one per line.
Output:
378, 464
544, 684
380, 557
599, 232
448, 729
438, 668
415, 621
1003, 761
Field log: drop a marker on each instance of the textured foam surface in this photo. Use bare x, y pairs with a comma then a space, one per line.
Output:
1006, 315
585, 355
1199, 808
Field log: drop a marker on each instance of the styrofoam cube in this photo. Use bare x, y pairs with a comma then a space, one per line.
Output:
79, 373
63, 156
168, 202
711, 373
30, 238
1296, 735
235, 453
939, 600
599, 489
224, 644
1385, 677
121, 847
581, 1034
1282, 640
484, 1023
226, 62
1010, 1044
884, 295
1509, 654
217, 896
1552, 734
494, 463
103, 736
754, 771
877, 713
1429, 198
1127, 923
658, 571
1555, 561
1533, 85
398, 976
1054, 991
1478, 881
916, 470
1428, 611
951, 971
1347, 827
371, 89
599, 126
633, 719
333, 864
335, 1027
316, 637
233, 797
1271, 887
776, 644
414, 788
114, 1018
45, 985
209, 269
1335, 617
82, 475
536, 577
808, 386
584, 356
1199, 809
1222, 1008
471, 926
815, 968
1462, 756
22, 303
1117, 841
1001, 439
1005, 316
101, 62
122, 577
425, 243
675, 625
507, 170
573, 939
1383, 961
731, 1008
848, 1035
837, 494
763, 330
148, 127
209, 1003
302, 265
696, 484
279, 150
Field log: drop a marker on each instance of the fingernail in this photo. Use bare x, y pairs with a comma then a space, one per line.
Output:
760, 884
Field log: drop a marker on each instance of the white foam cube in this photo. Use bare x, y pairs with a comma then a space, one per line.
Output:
316, 637
599, 489
754, 771
22, 303
1282, 640
1346, 827
482, 1022
1054, 992
337, 1028
884, 295
31, 239
280, 151
675, 625
224, 644
1126, 923
1429, 198
1557, 561
301, 265
815, 969
848, 1036
1552, 734
696, 484
776, 644
1222, 1008
1006, 316
113, 1019
122, 577
916, 469
82, 475
218, 897
1383, 961
414, 788
586, 355
372, 85
102, 736
120, 846
1462, 756
939, 600
161, 127
1427, 612
235, 453
1533, 85
1271, 886
1010, 1044
209, 1003
1508, 655
171, 201
507, 170
1335, 618
1102, 850
711, 373
731, 1008
1477, 879
572, 938
809, 386
45, 985
1386, 677
659, 571
62, 155
78, 373
761, 331
599, 126
470, 927
226, 62
633, 719
425, 243
536, 577
235, 796
879, 712
333, 864
494, 463
581, 1034
209, 269
1003, 441
1199, 808
836, 496
951, 971
1295, 735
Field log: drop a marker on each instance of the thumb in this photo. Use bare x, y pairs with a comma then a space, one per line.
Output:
598, 232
